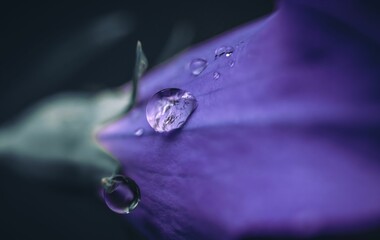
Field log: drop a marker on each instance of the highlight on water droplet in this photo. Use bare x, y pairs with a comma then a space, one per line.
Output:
169, 109
231, 63
120, 193
224, 51
139, 132
197, 66
216, 75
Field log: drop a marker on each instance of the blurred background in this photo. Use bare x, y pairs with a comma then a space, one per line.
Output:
48, 47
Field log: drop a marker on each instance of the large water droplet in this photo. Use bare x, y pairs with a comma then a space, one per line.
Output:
197, 66
120, 193
224, 51
169, 109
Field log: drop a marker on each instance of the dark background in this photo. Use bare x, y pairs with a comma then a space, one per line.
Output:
41, 41
48, 47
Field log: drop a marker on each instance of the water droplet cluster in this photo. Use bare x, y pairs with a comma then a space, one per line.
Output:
167, 110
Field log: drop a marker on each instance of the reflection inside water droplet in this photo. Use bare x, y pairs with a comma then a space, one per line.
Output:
139, 132
231, 63
216, 75
169, 109
224, 51
120, 193
197, 66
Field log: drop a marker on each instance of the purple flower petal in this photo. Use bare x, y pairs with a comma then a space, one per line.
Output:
284, 141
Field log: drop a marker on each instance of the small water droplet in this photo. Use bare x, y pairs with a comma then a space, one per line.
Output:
169, 109
120, 193
216, 75
139, 132
231, 63
224, 51
197, 66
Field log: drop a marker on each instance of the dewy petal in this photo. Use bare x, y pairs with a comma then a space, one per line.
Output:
285, 141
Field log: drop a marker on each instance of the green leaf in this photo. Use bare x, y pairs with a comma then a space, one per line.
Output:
55, 138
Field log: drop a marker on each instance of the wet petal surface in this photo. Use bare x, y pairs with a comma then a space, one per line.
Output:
284, 141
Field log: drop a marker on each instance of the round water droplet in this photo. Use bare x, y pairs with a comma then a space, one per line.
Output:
169, 109
139, 132
120, 193
224, 51
216, 75
197, 66
231, 63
